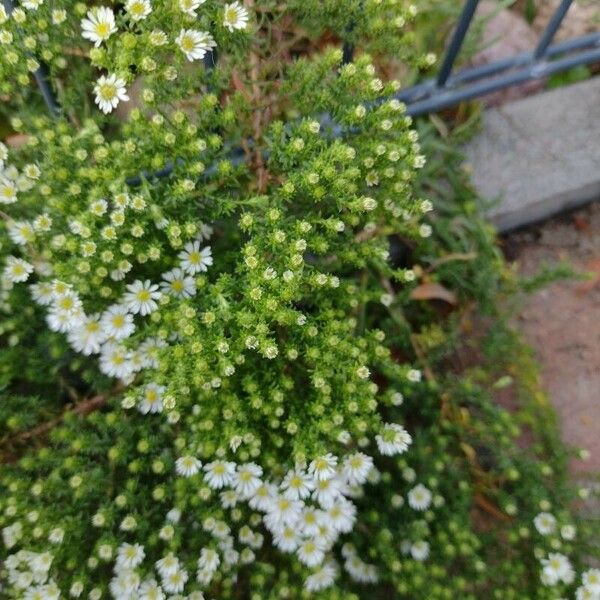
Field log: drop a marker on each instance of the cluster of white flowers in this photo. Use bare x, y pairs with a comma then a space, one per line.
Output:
28, 572
100, 24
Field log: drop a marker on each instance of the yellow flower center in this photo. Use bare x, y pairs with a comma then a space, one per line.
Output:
118, 321
108, 91
143, 295
102, 29
187, 43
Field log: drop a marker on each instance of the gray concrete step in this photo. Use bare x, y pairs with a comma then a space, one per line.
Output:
540, 155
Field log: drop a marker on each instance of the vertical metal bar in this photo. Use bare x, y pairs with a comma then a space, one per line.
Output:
457, 41
551, 29
347, 53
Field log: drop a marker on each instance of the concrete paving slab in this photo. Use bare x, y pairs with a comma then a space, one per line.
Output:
540, 155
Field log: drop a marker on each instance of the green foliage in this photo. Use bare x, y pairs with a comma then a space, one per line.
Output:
283, 413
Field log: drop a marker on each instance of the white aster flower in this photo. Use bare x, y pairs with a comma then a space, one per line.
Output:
235, 16
21, 232
282, 512
99, 25
591, 580
195, 259
187, 466
585, 593
545, 523
323, 467
394, 439
141, 297
151, 401
246, 479
419, 498
178, 284
356, 468
8, 191
130, 556
138, 10
311, 553
209, 560
321, 579
286, 539
219, 473
557, 567
327, 491
17, 270
195, 44
150, 590
32, 4
263, 497
125, 583
342, 515
310, 521
88, 336
568, 532
190, 6
117, 323
297, 485
167, 565
115, 361
175, 582
419, 550
110, 90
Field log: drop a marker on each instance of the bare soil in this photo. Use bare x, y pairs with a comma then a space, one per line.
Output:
562, 321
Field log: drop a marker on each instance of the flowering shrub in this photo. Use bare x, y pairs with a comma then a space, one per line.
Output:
197, 256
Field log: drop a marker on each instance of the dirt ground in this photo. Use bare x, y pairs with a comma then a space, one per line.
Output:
562, 321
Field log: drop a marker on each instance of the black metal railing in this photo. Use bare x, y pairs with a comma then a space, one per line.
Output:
448, 88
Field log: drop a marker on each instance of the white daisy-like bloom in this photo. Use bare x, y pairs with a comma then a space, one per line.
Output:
195, 259
568, 532
360, 570
219, 474
63, 321
585, 593
190, 7
56, 535
323, 467
591, 580
125, 583
195, 44
205, 231
209, 560
247, 479
87, 337
282, 512
178, 283
8, 191
187, 466
297, 485
311, 552
110, 90
99, 25
286, 539
557, 567
545, 523
419, 498
235, 16
310, 521
151, 401
342, 516
394, 439
419, 550
141, 297
150, 590
173, 515
264, 495
130, 556
17, 270
167, 565
21, 232
114, 361
229, 498
321, 579
138, 10
116, 322
175, 582
327, 491
32, 4
356, 468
